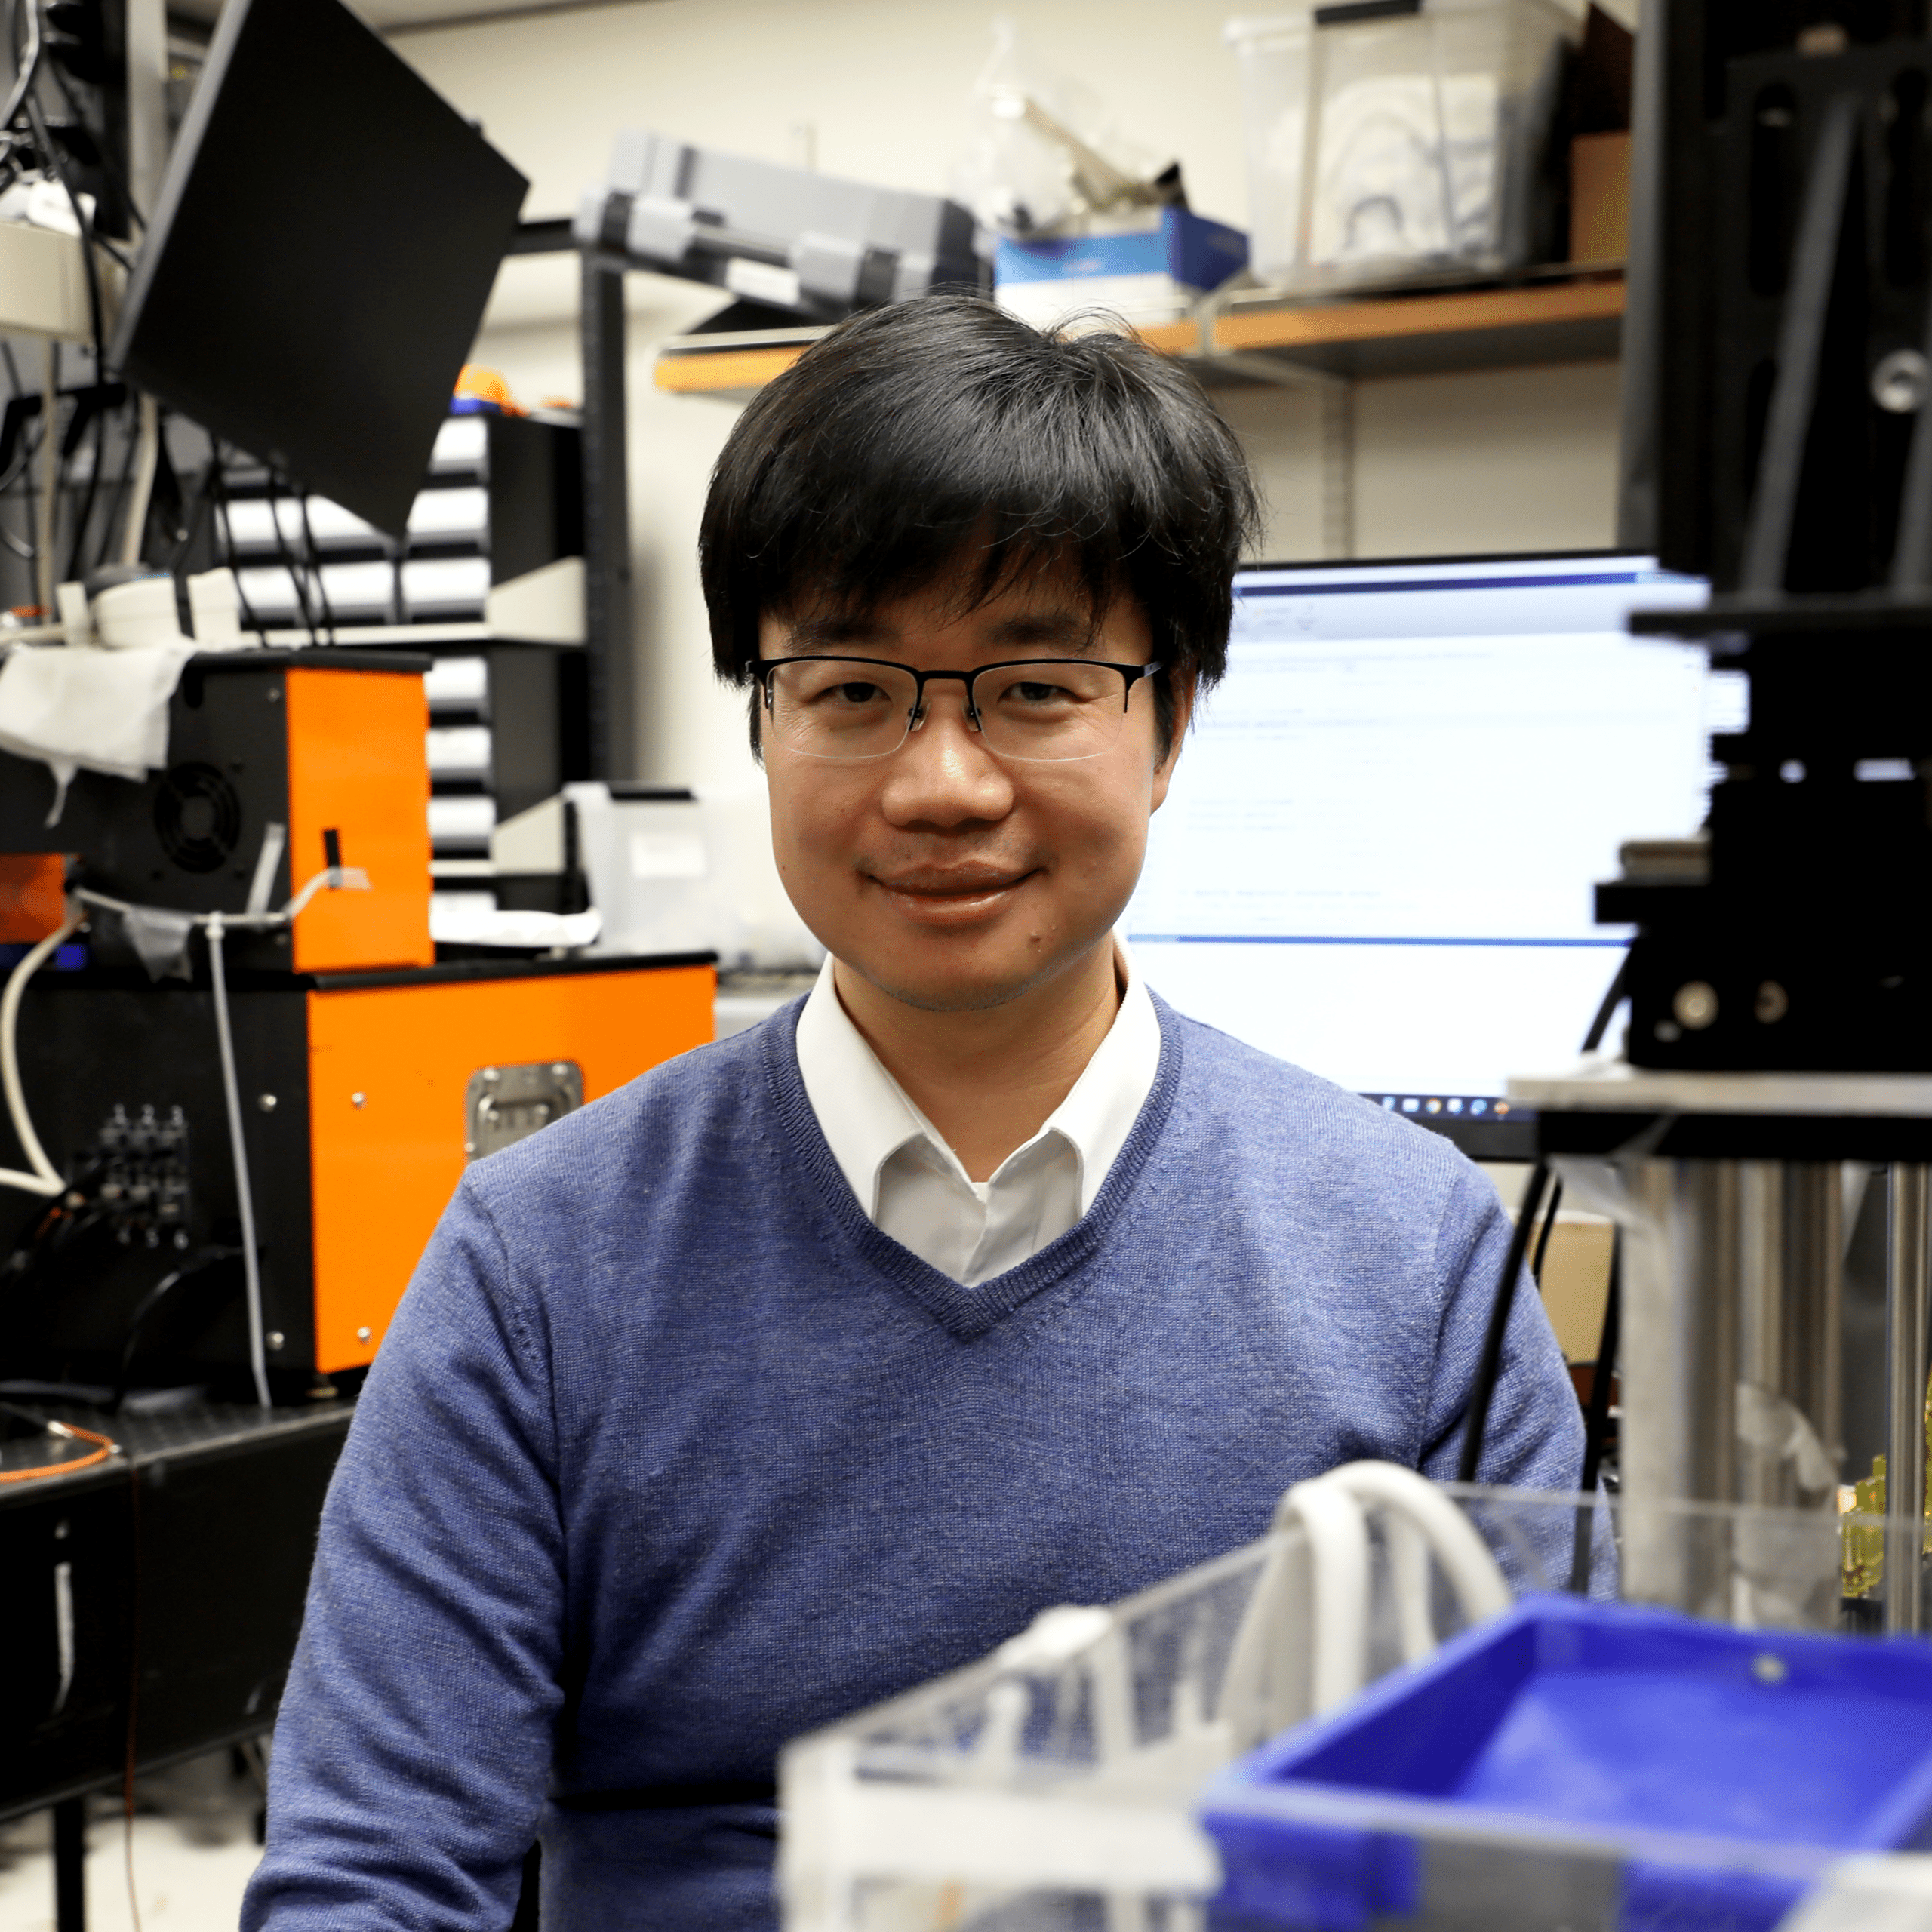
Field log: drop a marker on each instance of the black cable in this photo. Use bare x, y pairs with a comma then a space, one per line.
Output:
1543, 1240
197, 1264
116, 176
26, 72
1612, 999
1596, 1414
1482, 1391
31, 494
315, 557
217, 480
287, 557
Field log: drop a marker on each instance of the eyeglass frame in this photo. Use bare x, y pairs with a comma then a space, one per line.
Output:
1131, 675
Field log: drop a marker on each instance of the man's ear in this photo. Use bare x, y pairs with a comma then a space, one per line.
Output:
1183, 686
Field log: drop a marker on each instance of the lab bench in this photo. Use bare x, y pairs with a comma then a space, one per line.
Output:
153, 1599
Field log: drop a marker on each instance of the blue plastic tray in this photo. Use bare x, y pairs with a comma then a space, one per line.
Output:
1588, 1764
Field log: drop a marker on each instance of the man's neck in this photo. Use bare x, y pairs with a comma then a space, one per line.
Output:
989, 1080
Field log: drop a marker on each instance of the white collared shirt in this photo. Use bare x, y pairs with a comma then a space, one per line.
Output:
912, 1184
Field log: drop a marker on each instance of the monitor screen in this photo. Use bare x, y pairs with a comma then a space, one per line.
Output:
1377, 856
320, 254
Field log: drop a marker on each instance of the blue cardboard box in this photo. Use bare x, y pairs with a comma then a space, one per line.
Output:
1146, 274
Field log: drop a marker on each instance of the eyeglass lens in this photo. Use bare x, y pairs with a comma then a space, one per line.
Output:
1053, 709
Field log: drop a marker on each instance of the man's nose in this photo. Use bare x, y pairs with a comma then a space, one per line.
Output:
944, 774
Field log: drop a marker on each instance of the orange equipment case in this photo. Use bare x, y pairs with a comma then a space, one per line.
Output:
369, 1074
315, 742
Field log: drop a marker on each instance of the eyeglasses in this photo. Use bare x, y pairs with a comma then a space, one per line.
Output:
1048, 709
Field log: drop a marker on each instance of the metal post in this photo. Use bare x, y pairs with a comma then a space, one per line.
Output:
1338, 468
607, 521
1679, 1379
1811, 1347
1908, 1289
70, 1875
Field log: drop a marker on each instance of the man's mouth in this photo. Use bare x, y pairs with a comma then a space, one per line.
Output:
954, 891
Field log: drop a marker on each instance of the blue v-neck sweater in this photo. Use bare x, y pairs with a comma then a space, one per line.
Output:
671, 1455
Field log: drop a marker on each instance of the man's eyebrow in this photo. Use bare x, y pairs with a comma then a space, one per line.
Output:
826, 631
1068, 630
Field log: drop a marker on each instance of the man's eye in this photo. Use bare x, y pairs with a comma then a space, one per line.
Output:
1038, 693
858, 694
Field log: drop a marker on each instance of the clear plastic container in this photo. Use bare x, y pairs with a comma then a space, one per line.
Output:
1057, 1784
1384, 145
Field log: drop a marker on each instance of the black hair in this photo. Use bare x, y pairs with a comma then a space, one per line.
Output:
914, 435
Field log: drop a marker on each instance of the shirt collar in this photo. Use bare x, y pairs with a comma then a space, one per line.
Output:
866, 1116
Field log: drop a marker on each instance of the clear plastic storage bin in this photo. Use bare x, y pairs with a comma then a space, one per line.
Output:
1384, 142
1062, 1783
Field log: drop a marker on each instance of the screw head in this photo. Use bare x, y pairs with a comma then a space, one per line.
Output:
1696, 1004
267, 1102
358, 1099
559, 1068
1773, 1003
362, 1334
275, 1338
1767, 1667
1899, 382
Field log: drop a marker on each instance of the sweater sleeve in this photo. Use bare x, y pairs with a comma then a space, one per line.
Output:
1534, 1436
414, 1745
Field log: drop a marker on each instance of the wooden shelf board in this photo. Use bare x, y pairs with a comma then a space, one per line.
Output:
1567, 321
1488, 328
691, 370
1314, 324
707, 372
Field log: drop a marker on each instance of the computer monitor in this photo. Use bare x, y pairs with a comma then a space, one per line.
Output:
319, 256
1377, 856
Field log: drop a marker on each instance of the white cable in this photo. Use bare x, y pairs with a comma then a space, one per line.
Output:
341, 878
1338, 1587
1454, 1541
251, 1270
147, 449
43, 1179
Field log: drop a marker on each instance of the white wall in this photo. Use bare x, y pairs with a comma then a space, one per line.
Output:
1514, 459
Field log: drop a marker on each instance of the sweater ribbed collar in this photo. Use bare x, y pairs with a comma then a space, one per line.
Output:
965, 1313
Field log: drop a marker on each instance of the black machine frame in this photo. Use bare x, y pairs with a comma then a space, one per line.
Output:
1784, 370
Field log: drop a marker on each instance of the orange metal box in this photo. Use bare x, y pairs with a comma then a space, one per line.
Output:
363, 1096
391, 1068
312, 741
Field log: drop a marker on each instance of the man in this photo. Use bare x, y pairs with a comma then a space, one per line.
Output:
816, 1362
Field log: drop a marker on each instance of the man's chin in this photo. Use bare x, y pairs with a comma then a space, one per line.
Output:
959, 985
954, 995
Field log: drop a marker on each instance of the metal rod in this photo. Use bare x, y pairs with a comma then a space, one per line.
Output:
70, 1867
45, 570
606, 523
1800, 343
1908, 1290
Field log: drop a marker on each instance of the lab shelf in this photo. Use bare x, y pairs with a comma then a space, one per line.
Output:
1428, 333
1261, 334
411, 637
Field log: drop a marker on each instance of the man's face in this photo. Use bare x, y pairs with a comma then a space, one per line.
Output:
952, 878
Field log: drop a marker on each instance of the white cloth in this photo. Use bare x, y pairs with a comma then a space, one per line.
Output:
913, 1185
71, 706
